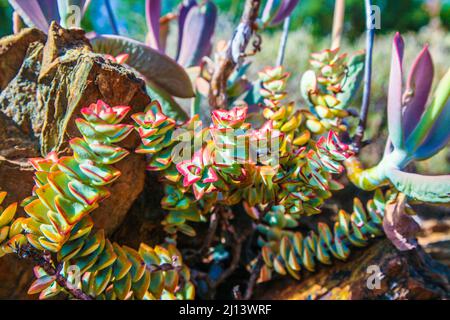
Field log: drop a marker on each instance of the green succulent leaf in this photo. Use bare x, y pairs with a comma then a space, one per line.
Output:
307, 84
434, 189
352, 81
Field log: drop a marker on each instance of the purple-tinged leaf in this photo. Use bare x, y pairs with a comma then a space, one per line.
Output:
431, 115
418, 88
395, 93
286, 8
50, 10
198, 31
111, 17
438, 137
434, 189
152, 14
185, 7
150, 63
270, 10
86, 4
399, 227
31, 13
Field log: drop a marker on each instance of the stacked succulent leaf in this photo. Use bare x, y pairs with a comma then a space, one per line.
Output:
158, 141
330, 86
67, 190
308, 164
287, 251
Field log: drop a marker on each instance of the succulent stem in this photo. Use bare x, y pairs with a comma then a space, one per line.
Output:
112, 18
338, 24
370, 33
283, 43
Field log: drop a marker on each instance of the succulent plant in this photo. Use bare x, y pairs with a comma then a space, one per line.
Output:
287, 252
234, 162
416, 132
329, 88
69, 188
279, 165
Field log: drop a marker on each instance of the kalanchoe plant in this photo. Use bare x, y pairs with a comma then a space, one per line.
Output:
40, 13
196, 23
416, 131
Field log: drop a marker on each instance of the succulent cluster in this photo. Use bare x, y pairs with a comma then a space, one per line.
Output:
67, 190
329, 87
108, 271
286, 251
234, 163
278, 171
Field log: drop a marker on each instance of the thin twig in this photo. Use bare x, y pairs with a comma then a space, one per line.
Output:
235, 258
112, 17
338, 24
253, 278
283, 43
213, 223
234, 54
44, 261
370, 33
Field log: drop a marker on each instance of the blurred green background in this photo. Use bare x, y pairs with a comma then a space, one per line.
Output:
420, 21
313, 15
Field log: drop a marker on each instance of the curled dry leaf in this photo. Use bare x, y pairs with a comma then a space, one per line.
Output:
400, 227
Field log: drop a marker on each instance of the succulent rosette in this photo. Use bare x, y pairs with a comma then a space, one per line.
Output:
199, 172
